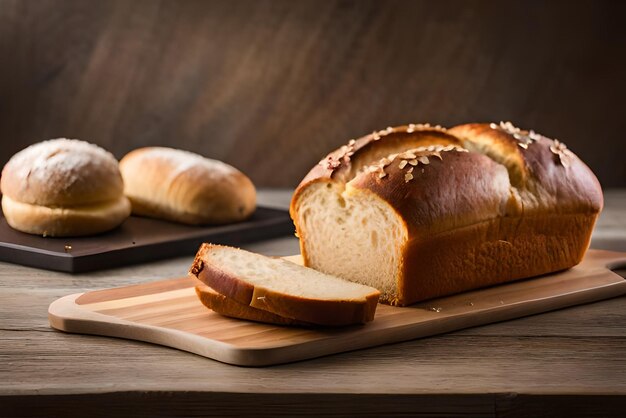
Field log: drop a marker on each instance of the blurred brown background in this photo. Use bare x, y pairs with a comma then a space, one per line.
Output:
272, 86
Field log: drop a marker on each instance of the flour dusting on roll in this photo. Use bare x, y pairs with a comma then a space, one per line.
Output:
63, 187
184, 187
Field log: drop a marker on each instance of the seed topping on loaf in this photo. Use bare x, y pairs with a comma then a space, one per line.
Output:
424, 126
560, 150
411, 158
376, 135
344, 154
330, 162
524, 138
410, 128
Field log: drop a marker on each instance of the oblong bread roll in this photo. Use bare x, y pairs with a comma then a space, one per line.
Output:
184, 187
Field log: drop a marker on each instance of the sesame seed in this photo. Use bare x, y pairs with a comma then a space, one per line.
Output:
402, 164
413, 162
408, 177
533, 135
424, 160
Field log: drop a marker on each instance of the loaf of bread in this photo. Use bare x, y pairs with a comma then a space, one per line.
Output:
420, 212
282, 288
63, 187
184, 187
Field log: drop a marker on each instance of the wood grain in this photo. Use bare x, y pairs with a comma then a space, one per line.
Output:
275, 83
168, 313
569, 362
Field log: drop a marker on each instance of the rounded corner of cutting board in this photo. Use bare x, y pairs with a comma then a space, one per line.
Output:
63, 310
65, 314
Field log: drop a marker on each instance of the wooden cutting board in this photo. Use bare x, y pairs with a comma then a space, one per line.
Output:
168, 312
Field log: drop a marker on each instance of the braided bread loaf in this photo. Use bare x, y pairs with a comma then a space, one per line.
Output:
420, 212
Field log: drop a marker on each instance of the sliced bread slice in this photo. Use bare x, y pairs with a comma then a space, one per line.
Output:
284, 288
228, 307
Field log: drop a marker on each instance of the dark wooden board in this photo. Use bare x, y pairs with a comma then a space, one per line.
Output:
136, 240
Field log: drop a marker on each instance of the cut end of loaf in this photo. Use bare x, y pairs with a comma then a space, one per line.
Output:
353, 234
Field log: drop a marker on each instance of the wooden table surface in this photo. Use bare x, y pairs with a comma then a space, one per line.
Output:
564, 363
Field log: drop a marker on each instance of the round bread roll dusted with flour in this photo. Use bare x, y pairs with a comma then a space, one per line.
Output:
184, 187
63, 187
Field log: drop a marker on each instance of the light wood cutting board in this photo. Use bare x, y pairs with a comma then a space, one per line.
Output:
168, 312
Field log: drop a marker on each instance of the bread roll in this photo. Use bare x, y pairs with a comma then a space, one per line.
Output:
63, 187
283, 288
181, 186
420, 212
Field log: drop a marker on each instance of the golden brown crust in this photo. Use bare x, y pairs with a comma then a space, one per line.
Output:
184, 187
348, 161
65, 222
432, 195
229, 307
62, 173
516, 205
228, 285
493, 252
345, 162
547, 175
63, 188
337, 312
